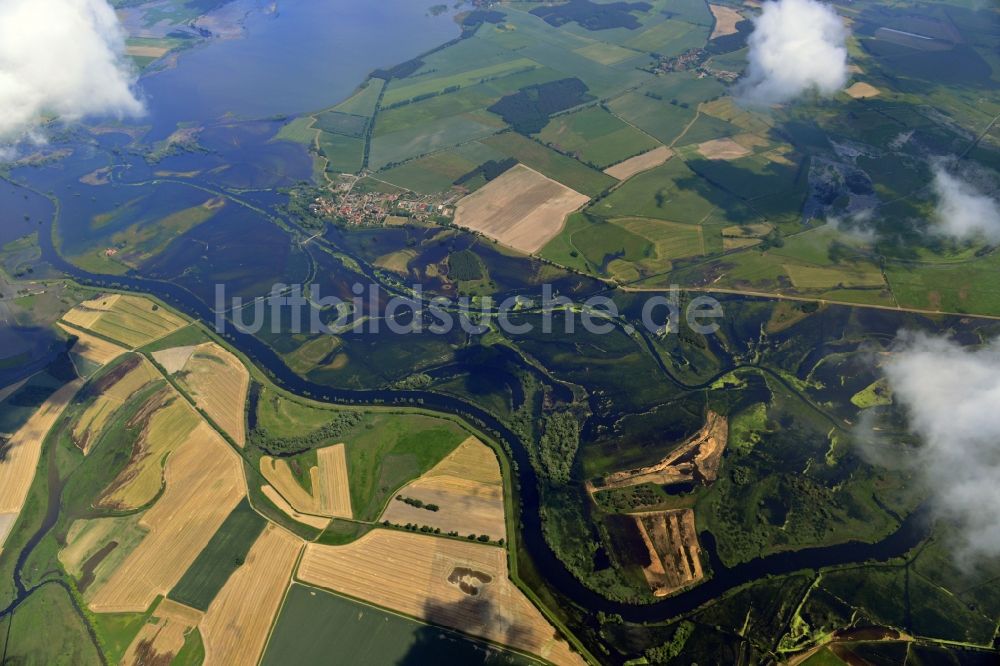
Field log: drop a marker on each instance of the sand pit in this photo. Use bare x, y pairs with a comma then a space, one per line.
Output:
317, 522
639, 163
674, 552
521, 209
862, 90
236, 624
696, 459
204, 483
726, 19
457, 584
467, 489
722, 149
17, 469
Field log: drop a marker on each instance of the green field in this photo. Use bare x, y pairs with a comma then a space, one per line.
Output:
558, 167
438, 172
46, 629
595, 137
391, 450
670, 192
220, 558
313, 625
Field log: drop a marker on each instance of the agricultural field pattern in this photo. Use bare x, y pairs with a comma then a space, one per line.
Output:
500, 332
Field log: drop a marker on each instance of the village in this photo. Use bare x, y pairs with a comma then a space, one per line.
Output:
348, 203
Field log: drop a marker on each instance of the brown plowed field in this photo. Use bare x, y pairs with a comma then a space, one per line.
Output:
639, 163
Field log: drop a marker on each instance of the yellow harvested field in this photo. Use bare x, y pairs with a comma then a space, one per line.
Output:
471, 460
23, 449
521, 209
722, 149
236, 625
279, 474
674, 551
168, 423
466, 507
93, 348
113, 390
306, 519
204, 483
133, 321
218, 383
467, 488
862, 90
639, 163
331, 493
146, 51
456, 584
162, 637
334, 485
726, 19
173, 360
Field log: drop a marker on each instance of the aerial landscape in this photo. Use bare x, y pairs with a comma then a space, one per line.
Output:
500, 332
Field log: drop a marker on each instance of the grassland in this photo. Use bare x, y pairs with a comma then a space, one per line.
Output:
546, 161
595, 137
314, 624
133, 321
235, 627
441, 576
223, 555
521, 209
46, 629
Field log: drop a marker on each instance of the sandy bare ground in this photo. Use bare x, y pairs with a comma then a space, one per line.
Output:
722, 149
93, 348
639, 163
162, 637
697, 459
457, 584
218, 382
306, 519
236, 625
334, 486
726, 19
204, 483
862, 90
22, 451
521, 209
674, 551
467, 488
174, 359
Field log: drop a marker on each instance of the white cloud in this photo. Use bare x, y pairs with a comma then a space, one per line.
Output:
963, 211
796, 46
61, 58
952, 398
